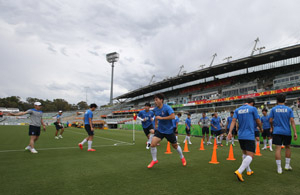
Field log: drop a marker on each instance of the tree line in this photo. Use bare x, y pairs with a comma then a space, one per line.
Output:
48, 105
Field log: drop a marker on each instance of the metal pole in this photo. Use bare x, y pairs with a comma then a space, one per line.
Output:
112, 83
133, 133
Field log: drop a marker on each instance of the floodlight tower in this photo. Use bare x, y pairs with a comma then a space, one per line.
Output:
253, 50
151, 79
180, 69
214, 56
112, 58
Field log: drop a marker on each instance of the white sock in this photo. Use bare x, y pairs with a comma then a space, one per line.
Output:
179, 150
232, 140
83, 141
154, 153
209, 138
185, 138
270, 142
150, 138
189, 138
246, 162
265, 143
227, 140
248, 168
90, 144
221, 138
278, 162
287, 161
176, 138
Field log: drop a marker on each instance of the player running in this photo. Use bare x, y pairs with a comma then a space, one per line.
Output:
36, 121
267, 131
146, 116
175, 125
188, 126
216, 125
163, 128
59, 125
204, 124
227, 127
245, 114
281, 117
88, 125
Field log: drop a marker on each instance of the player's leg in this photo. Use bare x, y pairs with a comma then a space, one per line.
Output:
248, 148
287, 143
264, 135
56, 133
90, 142
220, 138
31, 144
172, 139
61, 132
189, 136
210, 137
207, 135
155, 140
185, 139
270, 139
147, 133
278, 140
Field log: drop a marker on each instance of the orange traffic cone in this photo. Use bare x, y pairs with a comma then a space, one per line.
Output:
186, 148
215, 144
214, 157
257, 153
168, 149
201, 145
230, 155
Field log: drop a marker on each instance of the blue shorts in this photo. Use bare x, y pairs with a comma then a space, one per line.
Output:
88, 129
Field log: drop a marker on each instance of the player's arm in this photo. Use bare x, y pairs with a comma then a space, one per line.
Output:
186, 125
271, 123
226, 125
140, 118
177, 126
294, 128
170, 117
259, 125
17, 114
237, 127
156, 123
43, 124
91, 124
229, 136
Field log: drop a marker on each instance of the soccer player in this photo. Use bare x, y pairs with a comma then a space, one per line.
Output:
175, 125
267, 131
245, 114
204, 123
281, 117
58, 124
227, 127
35, 125
163, 128
146, 116
188, 125
216, 124
88, 125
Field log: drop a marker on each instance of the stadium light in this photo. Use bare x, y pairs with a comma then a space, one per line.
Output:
112, 58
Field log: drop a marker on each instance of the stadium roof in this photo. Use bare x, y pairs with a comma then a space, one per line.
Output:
247, 62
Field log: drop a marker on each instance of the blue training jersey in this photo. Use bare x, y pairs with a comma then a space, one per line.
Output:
281, 116
216, 122
88, 115
175, 121
164, 126
188, 122
265, 122
246, 115
229, 120
146, 115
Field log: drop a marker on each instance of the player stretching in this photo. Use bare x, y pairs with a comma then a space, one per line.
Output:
146, 116
35, 125
267, 131
58, 124
88, 125
204, 123
164, 128
216, 124
188, 125
281, 117
227, 127
175, 125
245, 114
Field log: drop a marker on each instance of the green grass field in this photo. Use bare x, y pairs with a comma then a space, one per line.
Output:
61, 167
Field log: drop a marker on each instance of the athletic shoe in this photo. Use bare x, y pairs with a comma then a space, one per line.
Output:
190, 142
91, 150
264, 148
250, 173
288, 168
279, 170
60, 136
27, 148
33, 151
56, 137
239, 176
271, 149
183, 141
209, 143
178, 143
226, 144
282, 147
148, 146
183, 161
221, 145
233, 144
80, 146
152, 164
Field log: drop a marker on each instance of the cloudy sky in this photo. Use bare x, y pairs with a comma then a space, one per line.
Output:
56, 48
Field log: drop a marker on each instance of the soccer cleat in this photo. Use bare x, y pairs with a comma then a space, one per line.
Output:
183, 161
226, 144
190, 142
148, 146
56, 137
91, 150
34, 151
250, 173
221, 145
264, 148
60, 136
233, 144
209, 143
282, 147
288, 168
28, 148
271, 149
183, 141
239, 176
279, 170
152, 164
80, 146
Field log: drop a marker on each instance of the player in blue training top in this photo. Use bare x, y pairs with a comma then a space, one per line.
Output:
164, 115
267, 131
204, 123
227, 127
188, 126
281, 117
216, 128
59, 125
175, 125
245, 115
146, 116
88, 125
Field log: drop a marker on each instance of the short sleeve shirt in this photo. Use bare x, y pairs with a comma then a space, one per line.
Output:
88, 115
265, 122
146, 115
164, 126
35, 117
281, 115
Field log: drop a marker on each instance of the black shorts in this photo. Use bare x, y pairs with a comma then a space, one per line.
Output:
205, 130
216, 133
175, 130
34, 130
282, 139
266, 133
147, 129
256, 133
58, 127
88, 129
233, 131
170, 137
188, 131
248, 145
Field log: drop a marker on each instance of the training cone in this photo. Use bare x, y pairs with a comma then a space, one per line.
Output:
168, 149
230, 155
201, 145
257, 153
186, 148
214, 157
215, 144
